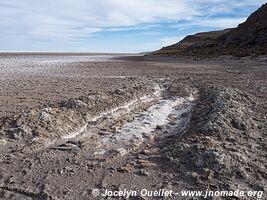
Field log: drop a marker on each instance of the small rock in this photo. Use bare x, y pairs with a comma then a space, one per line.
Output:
119, 91
151, 151
121, 151
158, 127
238, 124
144, 172
15, 133
2, 142
146, 163
127, 168
194, 175
199, 163
103, 133
141, 156
172, 117
242, 173
113, 129
146, 151
185, 114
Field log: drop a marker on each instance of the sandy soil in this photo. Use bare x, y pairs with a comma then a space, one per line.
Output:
60, 122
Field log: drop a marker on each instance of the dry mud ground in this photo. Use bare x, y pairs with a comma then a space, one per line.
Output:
69, 128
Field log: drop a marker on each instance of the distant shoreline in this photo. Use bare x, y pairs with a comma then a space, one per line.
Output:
3, 53
181, 59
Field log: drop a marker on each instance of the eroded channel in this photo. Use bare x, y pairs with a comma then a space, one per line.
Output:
128, 126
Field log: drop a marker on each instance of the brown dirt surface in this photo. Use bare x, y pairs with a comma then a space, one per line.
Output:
221, 146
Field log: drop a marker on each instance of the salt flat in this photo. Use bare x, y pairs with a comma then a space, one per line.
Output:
50, 127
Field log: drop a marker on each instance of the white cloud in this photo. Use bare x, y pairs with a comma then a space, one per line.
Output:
63, 15
165, 41
217, 23
70, 20
221, 23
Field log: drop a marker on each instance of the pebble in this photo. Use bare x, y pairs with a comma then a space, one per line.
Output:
158, 127
127, 168
185, 114
141, 156
144, 172
2, 142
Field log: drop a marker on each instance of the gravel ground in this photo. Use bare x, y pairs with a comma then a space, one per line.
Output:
223, 147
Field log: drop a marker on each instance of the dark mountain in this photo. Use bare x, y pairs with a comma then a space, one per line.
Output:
249, 38
251, 33
198, 40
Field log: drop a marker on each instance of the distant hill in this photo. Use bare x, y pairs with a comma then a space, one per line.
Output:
198, 40
249, 38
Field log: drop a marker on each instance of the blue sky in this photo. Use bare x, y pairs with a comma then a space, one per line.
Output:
112, 25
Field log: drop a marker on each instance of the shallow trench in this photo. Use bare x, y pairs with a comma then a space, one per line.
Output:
126, 127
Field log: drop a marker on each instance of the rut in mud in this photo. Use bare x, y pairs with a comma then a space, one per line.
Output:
126, 127
115, 126
105, 123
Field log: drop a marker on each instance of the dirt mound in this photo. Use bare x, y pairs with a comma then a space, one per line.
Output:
45, 125
197, 40
223, 149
